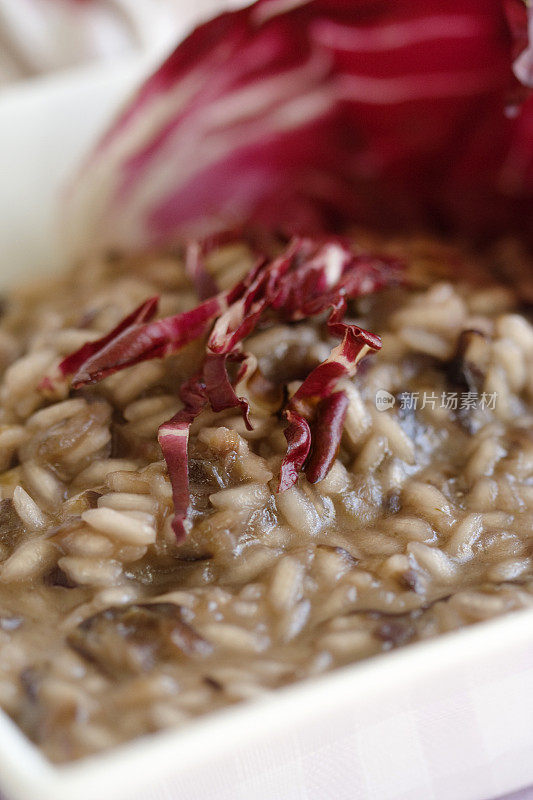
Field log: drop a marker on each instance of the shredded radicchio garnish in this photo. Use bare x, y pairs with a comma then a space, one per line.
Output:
307, 279
302, 117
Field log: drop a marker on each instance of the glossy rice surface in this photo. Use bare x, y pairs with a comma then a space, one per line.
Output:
109, 630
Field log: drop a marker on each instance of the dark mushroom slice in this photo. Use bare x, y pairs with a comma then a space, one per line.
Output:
10, 525
466, 368
130, 640
58, 577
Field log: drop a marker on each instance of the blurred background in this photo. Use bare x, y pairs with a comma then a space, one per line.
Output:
43, 36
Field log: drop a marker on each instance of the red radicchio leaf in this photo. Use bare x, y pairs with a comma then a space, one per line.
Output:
173, 437
145, 312
320, 383
304, 281
196, 269
298, 436
301, 115
138, 342
220, 392
331, 270
327, 432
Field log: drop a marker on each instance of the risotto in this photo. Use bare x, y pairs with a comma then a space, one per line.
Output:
112, 627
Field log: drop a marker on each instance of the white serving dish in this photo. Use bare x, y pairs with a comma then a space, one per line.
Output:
443, 720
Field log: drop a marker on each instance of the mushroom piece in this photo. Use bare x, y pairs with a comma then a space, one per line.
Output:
467, 367
129, 640
10, 526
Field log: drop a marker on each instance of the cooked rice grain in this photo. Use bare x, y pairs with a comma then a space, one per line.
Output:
109, 630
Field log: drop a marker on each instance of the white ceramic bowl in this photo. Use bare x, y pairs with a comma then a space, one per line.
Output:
443, 720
